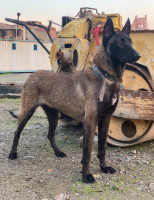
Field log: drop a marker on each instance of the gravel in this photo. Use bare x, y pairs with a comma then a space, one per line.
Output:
38, 174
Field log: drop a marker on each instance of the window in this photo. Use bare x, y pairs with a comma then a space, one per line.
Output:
13, 46
35, 47
3, 34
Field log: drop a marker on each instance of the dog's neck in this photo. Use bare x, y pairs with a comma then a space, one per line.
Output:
103, 61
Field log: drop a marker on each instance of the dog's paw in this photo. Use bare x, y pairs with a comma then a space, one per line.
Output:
108, 170
12, 156
89, 179
60, 154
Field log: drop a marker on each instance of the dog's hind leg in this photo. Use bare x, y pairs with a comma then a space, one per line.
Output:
103, 126
29, 103
53, 115
23, 119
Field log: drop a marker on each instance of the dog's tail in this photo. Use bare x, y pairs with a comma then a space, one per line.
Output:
14, 113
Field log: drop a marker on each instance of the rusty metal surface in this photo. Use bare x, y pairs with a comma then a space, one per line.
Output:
135, 104
137, 100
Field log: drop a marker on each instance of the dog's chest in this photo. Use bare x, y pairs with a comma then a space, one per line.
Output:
110, 100
114, 99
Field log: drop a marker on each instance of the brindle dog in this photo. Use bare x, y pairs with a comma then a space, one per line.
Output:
89, 96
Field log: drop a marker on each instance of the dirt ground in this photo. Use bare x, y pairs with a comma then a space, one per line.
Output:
38, 174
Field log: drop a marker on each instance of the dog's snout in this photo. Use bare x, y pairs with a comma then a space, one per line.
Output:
137, 56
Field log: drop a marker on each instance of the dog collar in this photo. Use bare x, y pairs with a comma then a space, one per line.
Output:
102, 74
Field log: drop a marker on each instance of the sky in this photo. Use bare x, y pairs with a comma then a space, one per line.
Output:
44, 10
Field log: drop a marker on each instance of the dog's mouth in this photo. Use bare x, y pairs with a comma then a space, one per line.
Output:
137, 58
120, 68
131, 59
134, 58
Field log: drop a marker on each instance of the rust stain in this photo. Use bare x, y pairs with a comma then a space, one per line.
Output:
135, 105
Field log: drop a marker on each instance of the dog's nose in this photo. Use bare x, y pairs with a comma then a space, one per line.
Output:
137, 56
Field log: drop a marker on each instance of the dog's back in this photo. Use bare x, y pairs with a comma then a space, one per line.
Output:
67, 93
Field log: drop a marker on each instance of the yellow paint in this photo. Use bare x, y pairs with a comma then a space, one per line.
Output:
115, 129
117, 21
133, 81
143, 42
78, 44
76, 28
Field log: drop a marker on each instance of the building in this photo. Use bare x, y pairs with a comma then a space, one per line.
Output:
40, 33
20, 52
10, 31
140, 23
18, 32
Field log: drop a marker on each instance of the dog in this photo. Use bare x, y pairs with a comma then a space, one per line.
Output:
89, 96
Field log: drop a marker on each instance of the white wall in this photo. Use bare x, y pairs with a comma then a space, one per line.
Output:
24, 58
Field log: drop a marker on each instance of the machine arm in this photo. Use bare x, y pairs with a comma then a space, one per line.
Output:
25, 24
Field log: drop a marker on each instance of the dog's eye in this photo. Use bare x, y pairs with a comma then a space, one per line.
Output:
121, 43
130, 40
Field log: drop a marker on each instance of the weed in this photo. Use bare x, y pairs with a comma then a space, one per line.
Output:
5, 75
88, 189
8, 101
12, 124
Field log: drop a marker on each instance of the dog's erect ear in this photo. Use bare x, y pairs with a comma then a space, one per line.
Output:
108, 31
126, 29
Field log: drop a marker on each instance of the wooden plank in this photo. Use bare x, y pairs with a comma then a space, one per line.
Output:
10, 88
10, 95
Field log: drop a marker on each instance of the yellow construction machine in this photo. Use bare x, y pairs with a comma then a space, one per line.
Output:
74, 49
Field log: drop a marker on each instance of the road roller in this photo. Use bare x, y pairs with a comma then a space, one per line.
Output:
74, 49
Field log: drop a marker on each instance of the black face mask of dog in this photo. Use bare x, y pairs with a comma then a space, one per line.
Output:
118, 45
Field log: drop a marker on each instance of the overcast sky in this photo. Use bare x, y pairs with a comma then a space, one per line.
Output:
43, 10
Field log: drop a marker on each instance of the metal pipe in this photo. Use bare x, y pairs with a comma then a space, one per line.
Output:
42, 26
25, 25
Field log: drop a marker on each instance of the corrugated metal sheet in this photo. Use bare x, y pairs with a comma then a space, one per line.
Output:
24, 57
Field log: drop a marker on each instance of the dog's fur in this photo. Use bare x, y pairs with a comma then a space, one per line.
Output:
76, 95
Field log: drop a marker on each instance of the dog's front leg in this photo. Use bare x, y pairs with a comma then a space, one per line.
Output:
89, 132
103, 126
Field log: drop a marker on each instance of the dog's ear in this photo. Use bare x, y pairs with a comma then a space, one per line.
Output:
108, 31
127, 28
